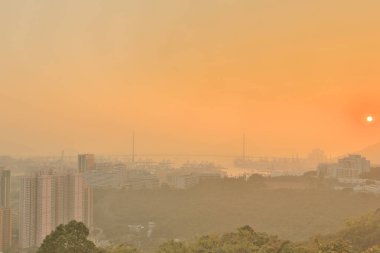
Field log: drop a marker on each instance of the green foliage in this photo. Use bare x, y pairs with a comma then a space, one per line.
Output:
362, 235
363, 232
68, 238
122, 248
244, 240
294, 208
174, 247
338, 246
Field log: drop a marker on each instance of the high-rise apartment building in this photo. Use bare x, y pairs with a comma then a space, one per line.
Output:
62, 197
86, 162
82, 200
5, 187
48, 200
45, 206
5, 211
5, 228
28, 212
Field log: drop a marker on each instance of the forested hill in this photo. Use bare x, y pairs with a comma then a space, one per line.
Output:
292, 208
360, 235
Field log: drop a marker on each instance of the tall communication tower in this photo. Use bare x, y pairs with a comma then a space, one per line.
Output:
133, 147
244, 147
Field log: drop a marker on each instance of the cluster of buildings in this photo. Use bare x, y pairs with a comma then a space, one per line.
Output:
46, 200
185, 180
279, 166
118, 176
351, 172
57, 195
143, 175
140, 179
53, 197
351, 166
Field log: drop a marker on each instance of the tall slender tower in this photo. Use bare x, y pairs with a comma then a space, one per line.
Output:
133, 147
243, 147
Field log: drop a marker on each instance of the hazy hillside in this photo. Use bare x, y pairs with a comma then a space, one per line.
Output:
372, 153
293, 214
361, 235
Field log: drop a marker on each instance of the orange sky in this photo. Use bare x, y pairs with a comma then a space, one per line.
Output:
189, 76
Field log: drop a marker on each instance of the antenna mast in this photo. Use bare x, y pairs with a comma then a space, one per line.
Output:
244, 147
133, 147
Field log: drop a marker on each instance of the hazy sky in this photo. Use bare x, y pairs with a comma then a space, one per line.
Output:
189, 76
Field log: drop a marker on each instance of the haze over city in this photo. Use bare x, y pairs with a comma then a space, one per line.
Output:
189, 77
187, 126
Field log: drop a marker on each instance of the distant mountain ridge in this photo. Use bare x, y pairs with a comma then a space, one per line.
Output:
372, 153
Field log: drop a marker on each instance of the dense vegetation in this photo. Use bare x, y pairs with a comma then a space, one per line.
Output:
360, 236
68, 239
306, 214
294, 208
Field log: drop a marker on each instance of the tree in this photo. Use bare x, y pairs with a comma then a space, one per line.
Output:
244, 240
335, 246
68, 238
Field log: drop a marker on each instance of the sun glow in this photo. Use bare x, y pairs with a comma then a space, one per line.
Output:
370, 119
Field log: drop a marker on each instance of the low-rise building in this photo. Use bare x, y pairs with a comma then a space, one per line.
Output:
328, 170
140, 179
104, 179
352, 166
183, 180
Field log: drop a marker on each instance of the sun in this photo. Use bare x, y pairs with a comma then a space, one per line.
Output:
370, 119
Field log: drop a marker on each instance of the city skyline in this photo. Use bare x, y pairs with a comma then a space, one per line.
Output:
48, 199
218, 126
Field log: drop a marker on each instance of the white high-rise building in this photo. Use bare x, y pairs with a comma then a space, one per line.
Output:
45, 206
82, 200
48, 200
28, 212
